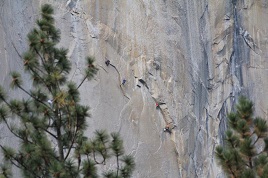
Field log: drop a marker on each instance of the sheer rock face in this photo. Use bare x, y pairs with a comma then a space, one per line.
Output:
193, 58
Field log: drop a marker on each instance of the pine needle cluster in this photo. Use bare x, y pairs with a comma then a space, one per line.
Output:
50, 122
245, 154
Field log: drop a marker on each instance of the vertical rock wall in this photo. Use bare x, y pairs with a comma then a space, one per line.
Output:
192, 57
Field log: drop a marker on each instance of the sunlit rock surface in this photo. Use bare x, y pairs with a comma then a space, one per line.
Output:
192, 57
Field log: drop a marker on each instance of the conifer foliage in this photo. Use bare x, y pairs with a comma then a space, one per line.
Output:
245, 153
50, 122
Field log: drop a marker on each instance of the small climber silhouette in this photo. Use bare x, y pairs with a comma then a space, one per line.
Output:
107, 62
124, 81
167, 129
157, 106
50, 102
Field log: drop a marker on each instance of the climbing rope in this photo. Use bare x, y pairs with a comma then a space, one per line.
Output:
119, 77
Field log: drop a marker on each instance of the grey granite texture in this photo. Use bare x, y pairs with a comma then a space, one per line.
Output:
192, 57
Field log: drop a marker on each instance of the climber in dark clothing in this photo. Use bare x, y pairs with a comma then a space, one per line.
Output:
107, 62
167, 129
124, 81
157, 106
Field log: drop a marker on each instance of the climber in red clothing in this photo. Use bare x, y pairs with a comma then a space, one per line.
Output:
157, 105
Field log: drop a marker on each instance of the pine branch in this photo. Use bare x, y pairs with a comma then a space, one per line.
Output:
59, 136
41, 78
24, 168
54, 136
245, 163
94, 157
34, 97
104, 156
81, 82
36, 73
231, 170
250, 162
256, 140
21, 165
21, 116
90, 71
70, 148
42, 59
117, 162
11, 130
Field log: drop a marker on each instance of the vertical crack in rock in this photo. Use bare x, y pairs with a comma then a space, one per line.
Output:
227, 106
236, 57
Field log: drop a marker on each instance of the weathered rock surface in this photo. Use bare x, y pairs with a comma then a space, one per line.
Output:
192, 57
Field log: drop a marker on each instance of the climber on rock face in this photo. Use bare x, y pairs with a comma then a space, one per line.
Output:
167, 129
157, 105
107, 62
124, 81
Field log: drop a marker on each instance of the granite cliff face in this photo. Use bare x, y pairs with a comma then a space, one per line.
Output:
194, 58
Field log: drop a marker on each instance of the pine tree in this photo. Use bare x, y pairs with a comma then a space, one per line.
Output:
50, 122
244, 154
